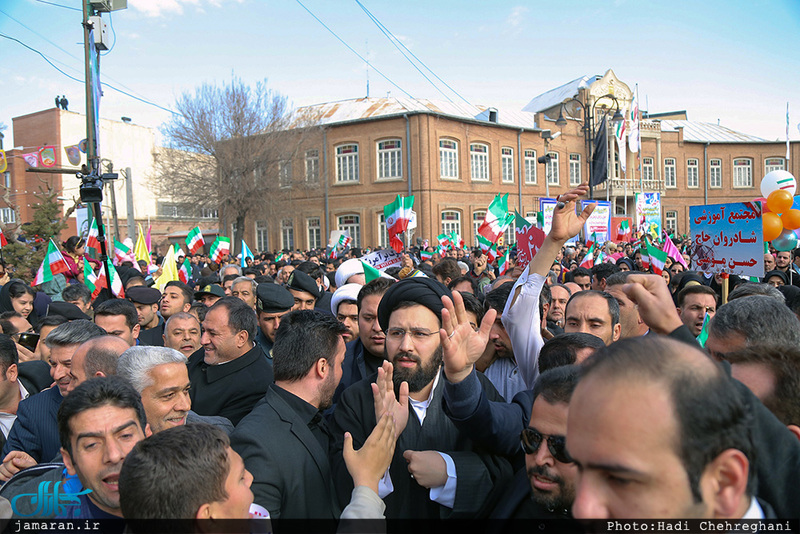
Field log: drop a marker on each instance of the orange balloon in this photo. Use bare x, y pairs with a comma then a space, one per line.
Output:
772, 226
780, 201
791, 219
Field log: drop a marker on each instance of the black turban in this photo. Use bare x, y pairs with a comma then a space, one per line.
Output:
424, 291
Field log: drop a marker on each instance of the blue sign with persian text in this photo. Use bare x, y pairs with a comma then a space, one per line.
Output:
728, 238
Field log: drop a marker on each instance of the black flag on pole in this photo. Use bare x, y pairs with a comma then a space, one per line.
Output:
600, 159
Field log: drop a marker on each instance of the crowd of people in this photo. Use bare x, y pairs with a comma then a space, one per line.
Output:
296, 388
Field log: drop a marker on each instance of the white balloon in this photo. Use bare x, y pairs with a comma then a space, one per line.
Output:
778, 180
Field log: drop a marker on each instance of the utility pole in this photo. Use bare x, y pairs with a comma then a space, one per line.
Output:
129, 202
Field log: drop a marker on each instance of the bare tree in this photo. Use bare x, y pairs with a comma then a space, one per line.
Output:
225, 148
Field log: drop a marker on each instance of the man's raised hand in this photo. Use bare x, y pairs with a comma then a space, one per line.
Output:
462, 346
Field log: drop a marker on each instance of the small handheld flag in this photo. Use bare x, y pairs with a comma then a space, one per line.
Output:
53, 264
194, 240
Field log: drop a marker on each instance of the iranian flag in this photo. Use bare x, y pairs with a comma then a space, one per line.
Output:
333, 254
492, 254
121, 252
194, 240
497, 219
96, 282
588, 259
624, 229
502, 263
645, 258
456, 240
444, 240
185, 272
484, 244
425, 255
397, 215
702, 337
3, 240
219, 248
344, 240
52, 265
657, 259
93, 241
601, 257
591, 240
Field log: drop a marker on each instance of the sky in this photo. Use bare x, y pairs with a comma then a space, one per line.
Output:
731, 61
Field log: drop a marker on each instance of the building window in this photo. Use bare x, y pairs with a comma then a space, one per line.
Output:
479, 161
314, 229
692, 173
234, 226
451, 222
287, 234
742, 172
647, 169
173, 210
8, 215
347, 163
390, 159
312, 166
351, 225
7, 179
509, 236
671, 222
285, 174
209, 213
774, 164
669, 173
715, 173
477, 220
507, 162
574, 169
551, 169
530, 167
448, 159
262, 236
383, 235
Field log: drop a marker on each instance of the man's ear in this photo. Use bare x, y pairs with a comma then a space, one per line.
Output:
617, 332
12, 372
322, 368
726, 480
135, 331
68, 461
794, 429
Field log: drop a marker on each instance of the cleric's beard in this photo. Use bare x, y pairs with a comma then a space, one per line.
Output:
417, 377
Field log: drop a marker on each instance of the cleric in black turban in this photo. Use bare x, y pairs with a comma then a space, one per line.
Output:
424, 291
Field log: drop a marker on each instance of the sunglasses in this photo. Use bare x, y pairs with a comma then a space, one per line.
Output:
531, 439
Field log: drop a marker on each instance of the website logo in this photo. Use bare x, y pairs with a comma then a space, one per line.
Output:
47, 501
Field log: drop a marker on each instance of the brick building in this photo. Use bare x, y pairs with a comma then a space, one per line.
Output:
455, 158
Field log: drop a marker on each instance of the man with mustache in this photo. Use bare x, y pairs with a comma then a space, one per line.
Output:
435, 472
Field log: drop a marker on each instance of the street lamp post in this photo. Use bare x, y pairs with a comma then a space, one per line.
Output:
588, 127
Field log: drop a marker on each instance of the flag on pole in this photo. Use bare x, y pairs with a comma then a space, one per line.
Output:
599, 163
620, 131
147, 240
658, 258
484, 244
788, 155
185, 272
194, 240
219, 248
397, 215
520, 222
344, 240
497, 219
425, 255
492, 254
502, 262
456, 240
601, 257
121, 252
645, 257
140, 251
703, 336
90, 279
3, 240
96, 282
633, 136
591, 240
444, 240
169, 270
672, 251
53, 264
588, 259
624, 228
246, 253
93, 240
370, 272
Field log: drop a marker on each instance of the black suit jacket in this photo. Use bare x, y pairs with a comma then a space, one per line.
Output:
36, 429
231, 389
153, 336
291, 473
35, 376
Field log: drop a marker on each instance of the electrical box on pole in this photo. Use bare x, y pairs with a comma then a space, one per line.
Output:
100, 32
104, 6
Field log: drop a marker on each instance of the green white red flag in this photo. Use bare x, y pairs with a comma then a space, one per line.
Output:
194, 240
484, 244
502, 262
96, 282
344, 240
425, 255
185, 272
53, 264
497, 219
219, 248
657, 259
122, 253
397, 216
588, 259
444, 240
93, 240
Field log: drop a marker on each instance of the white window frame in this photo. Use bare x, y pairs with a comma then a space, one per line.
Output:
312, 166
507, 164
479, 162
285, 174
574, 169
352, 227
477, 219
648, 169
671, 221
670, 174
742, 173
715, 173
530, 166
692, 173
209, 213
551, 169
509, 235
347, 163
450, 225
383, 235
287, 234
390, 160
8, 216
314, 232
448, 159
262, 236
7, 179
774, 164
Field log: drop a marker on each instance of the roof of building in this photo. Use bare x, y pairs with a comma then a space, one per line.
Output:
555, 96
371, 107
707, 132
